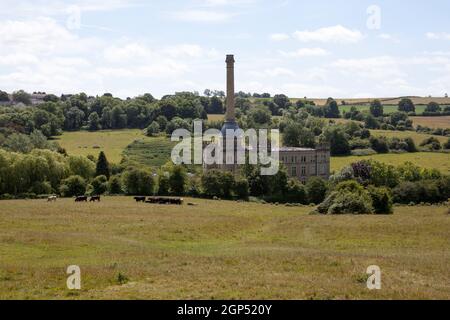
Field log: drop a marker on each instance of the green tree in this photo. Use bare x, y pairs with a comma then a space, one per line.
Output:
178, 180
94, 122
163, 184
18, 142
296, 192
102, 167
316, 190
4, 97
153, 129
241, 188
73, 186
406, 105
99, 185
433, 107
376, 108
138, 182
22, 97
381, 200
115, 185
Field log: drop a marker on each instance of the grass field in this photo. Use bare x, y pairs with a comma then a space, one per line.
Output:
432, 160
432, 122
219, 250
91, 143
385, 101
388, 109
153, 152
417, 137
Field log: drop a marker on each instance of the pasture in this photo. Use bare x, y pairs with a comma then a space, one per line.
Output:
150, 151
219, 250
431, 160
112, 142
417, 137
432, 122
385, 101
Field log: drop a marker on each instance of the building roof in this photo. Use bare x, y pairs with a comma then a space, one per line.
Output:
290, 149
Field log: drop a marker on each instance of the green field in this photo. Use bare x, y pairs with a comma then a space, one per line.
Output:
417, 137
219, 250
432, 160
112, 142
388, 109
150, 151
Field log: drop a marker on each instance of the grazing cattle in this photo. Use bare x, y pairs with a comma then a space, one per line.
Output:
165, 200
81, 199
95, 198
51, 199
139, 199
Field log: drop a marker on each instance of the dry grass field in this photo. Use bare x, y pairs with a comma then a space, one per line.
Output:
219, 250
112, 142
432, 122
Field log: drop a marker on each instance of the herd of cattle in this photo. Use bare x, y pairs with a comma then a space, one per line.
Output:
153, 200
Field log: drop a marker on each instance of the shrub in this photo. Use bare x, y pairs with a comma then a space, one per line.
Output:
153, 129
447, 144
381, 200
99, 185
73, 186
431, 143
380, 144
241, 188
316, 190
115, 185
138, 182
349, 197
41, 188
296, 192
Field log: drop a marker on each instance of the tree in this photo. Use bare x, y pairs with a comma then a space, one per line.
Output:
73, 186
282, 101
215, 106
4, 97
379, 144
331, 109
338, 141
217, 183
153, 129
316, 190
138, 182
431, 143
296, 192
22, 97
260, 116
241, 188
433, 107
18, 142
115, 185
163, 184
94, 121
371, 122
51, 98
177, 180
381, 200
406, 105
99, 185
376, 108
102, 166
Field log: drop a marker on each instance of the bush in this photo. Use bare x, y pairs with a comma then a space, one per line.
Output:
381, 200
380, 144
296, 192
447, 144
349, 197
153, 129
216, 183
73, 186
431, 143
241, 188
138, 182
316, 190
99, 185
115, 185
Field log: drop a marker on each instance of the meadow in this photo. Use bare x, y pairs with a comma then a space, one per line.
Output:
219, 250
386, 101
417, 137
112, 142
431, 160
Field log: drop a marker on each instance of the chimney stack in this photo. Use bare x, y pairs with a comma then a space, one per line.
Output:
230, 115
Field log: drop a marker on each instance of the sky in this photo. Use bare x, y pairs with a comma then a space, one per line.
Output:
315, 49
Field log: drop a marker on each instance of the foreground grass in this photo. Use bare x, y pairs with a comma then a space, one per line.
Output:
219, 249
431, 160
112, 142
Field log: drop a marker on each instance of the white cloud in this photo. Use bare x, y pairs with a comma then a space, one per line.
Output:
279, 36
380, 67
335, 34
305, 52
438, 36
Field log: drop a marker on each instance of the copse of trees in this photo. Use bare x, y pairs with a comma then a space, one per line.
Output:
376, 108
406, 105
4, 97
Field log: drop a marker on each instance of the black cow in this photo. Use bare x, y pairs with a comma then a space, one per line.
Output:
81, 199
95, 198
139, 199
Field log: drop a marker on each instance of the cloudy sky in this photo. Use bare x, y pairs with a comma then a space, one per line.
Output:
339, 48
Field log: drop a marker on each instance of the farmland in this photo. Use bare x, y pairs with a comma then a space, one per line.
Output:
417, 137
385, 101
86, 143
219, 250
432, 122
431, 160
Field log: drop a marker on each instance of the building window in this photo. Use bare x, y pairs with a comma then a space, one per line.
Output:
294, 171
303, 171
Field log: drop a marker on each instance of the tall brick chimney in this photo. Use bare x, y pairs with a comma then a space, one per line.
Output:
230, 115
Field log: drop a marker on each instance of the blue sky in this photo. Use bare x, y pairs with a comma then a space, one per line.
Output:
339, 48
